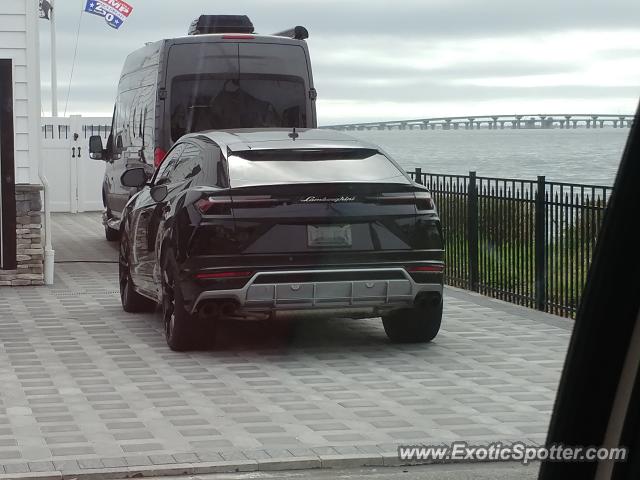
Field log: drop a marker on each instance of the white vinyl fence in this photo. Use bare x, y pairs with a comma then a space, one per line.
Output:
75, 181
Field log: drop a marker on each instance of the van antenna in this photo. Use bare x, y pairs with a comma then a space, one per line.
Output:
293, 135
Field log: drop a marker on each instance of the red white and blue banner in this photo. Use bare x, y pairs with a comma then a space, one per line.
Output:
115, 12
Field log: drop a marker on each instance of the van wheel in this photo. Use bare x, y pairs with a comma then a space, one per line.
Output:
182, 330
111, 234
413, 325
132, 301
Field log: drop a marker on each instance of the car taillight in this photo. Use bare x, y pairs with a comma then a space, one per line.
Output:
222, 275
434, 268
158, 156
422, 200
214, 205
221, 205
256, 201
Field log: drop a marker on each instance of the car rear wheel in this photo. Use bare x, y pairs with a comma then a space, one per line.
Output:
413, 325
132, 301
183, 331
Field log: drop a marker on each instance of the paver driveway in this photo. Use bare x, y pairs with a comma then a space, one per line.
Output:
83, 381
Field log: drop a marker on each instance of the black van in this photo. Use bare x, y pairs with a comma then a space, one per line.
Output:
222, 75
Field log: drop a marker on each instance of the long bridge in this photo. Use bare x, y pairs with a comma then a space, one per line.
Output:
494, 122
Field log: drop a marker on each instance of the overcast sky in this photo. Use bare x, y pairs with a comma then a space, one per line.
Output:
402, 59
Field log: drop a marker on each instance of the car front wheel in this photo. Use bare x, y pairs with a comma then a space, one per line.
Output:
183, 331
413, 325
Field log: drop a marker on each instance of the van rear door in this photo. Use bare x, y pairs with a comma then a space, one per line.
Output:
280, 74
196, 72
215, 85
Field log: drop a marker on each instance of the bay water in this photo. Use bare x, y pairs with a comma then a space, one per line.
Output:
589, 156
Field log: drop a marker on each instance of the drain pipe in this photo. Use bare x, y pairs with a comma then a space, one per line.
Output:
35, 103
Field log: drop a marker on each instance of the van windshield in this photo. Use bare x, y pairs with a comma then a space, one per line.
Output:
200, 103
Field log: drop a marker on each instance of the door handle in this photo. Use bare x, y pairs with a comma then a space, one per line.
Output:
79, 154
74, 152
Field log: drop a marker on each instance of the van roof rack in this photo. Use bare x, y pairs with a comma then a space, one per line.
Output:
297, 33
205, 24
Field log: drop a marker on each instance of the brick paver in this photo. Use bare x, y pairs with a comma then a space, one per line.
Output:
86, 385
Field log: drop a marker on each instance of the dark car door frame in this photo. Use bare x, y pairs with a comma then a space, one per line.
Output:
141, 216
592, 382
164, 217
150, 217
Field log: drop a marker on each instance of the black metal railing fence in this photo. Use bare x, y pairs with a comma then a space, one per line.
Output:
528, 242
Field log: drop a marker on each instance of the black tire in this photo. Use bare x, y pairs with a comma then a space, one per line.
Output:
283, 331
183, 331
413, 325
132, 301
110, 234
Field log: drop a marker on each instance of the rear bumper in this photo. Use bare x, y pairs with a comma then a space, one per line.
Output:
373, 291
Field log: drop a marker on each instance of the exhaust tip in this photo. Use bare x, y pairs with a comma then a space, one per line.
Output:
428, 299
227, 309
209, 310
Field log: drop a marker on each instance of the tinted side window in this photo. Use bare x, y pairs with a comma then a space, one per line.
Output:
214, 170
189, 166
219, 175
169, 162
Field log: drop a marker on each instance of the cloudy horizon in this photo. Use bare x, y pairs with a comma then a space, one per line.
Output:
373, 62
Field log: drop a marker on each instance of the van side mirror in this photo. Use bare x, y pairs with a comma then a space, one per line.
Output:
134, 178
96, 151
110, 153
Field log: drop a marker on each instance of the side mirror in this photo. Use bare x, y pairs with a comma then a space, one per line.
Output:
96, 151
135, 178
159, 192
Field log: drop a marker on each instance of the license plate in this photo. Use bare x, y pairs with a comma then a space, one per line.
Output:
319, 236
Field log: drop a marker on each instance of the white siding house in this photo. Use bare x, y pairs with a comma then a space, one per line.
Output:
22, 236
19, 42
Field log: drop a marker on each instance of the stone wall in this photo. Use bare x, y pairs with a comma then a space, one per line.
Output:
30, 250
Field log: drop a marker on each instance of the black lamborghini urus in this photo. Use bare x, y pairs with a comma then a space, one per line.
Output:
258, 224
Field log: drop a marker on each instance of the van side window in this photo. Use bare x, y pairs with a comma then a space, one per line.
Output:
117, 128
162, 175
133, 123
